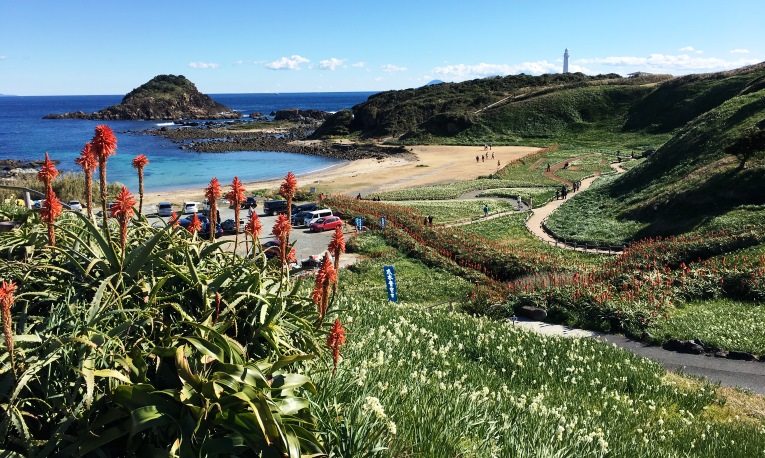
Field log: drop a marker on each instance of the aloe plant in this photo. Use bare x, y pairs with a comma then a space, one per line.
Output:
168, 346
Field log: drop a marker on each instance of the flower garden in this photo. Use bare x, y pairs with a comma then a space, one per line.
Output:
123, 339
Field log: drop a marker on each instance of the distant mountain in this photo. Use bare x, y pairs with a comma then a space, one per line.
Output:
434, 82
164, 97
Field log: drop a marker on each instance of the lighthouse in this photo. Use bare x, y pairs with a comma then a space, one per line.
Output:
565, 61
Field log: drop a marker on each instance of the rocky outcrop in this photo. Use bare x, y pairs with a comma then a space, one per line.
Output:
297, 115
164, 97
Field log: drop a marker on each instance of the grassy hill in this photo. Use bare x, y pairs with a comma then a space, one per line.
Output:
695, 178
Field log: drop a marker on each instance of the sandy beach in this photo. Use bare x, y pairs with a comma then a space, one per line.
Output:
433, 164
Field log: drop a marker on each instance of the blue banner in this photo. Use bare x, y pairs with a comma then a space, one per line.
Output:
359, 223
382, 222
390, 283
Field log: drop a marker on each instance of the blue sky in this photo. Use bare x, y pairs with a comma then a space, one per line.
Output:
111, 47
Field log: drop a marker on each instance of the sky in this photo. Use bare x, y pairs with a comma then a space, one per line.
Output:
78, 47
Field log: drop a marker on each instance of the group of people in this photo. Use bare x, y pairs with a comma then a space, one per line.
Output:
562, 193
483, 158
428, 221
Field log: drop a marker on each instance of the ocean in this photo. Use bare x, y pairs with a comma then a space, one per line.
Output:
25, 135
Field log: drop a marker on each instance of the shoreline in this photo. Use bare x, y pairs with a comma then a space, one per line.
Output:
424, 165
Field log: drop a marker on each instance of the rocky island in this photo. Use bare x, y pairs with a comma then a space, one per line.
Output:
164, 97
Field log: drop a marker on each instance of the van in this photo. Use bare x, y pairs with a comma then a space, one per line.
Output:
315, 215
164, 209
190, 207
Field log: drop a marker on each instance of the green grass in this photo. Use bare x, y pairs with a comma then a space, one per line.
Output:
450, 190
590, 216
458, 210
537, 196
718, 323
443, 384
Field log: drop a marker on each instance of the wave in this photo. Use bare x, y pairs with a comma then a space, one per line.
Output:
160, 124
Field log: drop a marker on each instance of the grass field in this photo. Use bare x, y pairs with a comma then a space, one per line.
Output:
421, 380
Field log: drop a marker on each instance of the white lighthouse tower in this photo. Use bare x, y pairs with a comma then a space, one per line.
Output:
565, 61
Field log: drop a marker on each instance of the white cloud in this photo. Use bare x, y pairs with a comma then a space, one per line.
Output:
359, 64
739, 51
238, 62
203, 65
331, 64
3, 57
691, 49
460, 72
392, 68
674, 64
287, 63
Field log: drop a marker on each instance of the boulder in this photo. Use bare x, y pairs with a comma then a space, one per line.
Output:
531, 312
741, 355
684, 346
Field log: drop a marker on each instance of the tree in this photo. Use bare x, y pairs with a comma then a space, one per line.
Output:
751, 143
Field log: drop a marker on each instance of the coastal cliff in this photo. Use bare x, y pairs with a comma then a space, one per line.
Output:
164, 97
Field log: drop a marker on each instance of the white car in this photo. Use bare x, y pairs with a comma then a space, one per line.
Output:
191, 207
75, 205
165, 209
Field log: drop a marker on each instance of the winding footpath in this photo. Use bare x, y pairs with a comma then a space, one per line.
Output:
749, 375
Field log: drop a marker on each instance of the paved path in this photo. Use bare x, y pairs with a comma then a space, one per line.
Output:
743, 374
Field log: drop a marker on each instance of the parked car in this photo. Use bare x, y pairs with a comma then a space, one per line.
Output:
326, 224
164, 209
270, 249
37, 204
191, 207
75, 205
306, 207
204, 233
299, 217
108, 209
251, 202
229, 226
184, 222
274, 207
315, 215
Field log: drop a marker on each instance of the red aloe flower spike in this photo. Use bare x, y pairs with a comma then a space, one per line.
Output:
48, 171
174, 218
195, 225
254, 227
123, 211
103, 145
236, 196
335, 339
337, 245
6, 301
287, 190
212, 192
88, 162
326, 276
281, 232
139, 162
51, 209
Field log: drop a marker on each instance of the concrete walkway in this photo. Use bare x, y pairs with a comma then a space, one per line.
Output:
749, 375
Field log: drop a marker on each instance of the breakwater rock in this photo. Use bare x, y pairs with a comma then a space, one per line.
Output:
214, 140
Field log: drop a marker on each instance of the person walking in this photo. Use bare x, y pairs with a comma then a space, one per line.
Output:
430, 220
485, 210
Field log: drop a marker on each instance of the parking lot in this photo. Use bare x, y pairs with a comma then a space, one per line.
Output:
307, 243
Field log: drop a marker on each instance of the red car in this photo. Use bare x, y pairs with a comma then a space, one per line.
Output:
326, 223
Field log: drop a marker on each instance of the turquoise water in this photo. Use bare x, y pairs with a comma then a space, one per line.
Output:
25, 135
